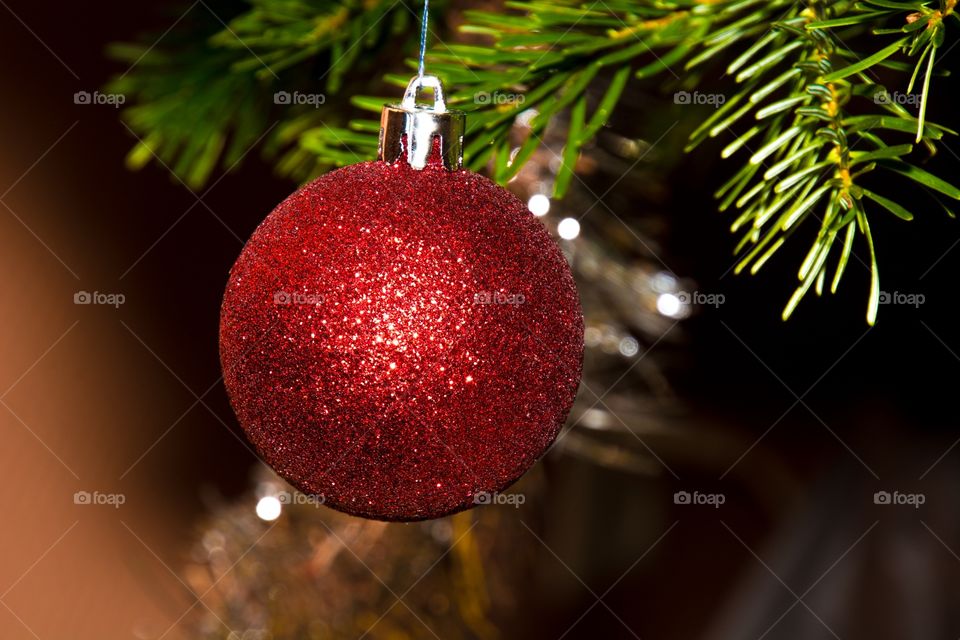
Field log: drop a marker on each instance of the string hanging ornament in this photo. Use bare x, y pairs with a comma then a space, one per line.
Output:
402, 338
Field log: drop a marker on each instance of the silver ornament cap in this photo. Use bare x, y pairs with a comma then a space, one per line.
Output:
409, 129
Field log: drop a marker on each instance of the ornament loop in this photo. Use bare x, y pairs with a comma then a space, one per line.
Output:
408, 129
417, 83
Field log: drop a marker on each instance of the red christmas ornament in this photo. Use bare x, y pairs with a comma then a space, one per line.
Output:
402, 341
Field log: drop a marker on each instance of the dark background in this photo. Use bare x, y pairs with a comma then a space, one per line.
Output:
879, 413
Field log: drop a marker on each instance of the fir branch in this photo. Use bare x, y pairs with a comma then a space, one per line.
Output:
202, 95
807, 111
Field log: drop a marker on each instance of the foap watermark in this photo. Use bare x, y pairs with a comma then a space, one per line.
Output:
114, 100
697, 97
297, 297
297, 98
99, 297
115, 500
494, 497
498, 98
906, 299
882, 96
296, 497
701, 299
899, 499
498, 297
701, 499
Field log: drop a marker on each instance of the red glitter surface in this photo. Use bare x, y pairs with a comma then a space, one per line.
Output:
400, 341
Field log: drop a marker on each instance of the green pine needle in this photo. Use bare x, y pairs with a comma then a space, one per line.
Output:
807, 116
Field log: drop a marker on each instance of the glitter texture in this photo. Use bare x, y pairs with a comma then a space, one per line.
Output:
400, 341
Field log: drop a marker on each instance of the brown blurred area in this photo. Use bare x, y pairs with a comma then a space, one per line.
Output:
797, 425
91, 400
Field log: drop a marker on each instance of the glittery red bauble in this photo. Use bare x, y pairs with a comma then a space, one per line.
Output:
400, 341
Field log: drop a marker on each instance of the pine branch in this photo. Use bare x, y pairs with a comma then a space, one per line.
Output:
807, 107
203, 94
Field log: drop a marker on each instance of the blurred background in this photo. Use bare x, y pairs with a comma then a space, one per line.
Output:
723, 474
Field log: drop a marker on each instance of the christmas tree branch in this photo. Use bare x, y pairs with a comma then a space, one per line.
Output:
203, 93
808, 111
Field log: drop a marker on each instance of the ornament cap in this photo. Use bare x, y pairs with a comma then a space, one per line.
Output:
410, 129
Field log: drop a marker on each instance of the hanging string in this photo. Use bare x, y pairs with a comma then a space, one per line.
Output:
423, 34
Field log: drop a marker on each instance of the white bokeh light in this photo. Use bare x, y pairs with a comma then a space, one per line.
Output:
269, 508
539, 204
669, 305
663, 282
568, 229
629, 347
